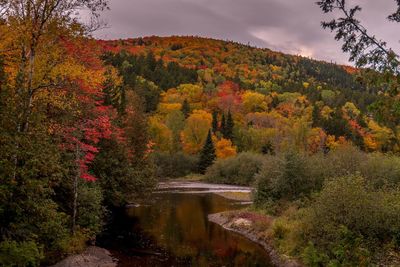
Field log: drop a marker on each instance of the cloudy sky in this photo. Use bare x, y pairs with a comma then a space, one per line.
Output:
291, 26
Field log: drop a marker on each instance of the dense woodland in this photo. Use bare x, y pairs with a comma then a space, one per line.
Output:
252, 99
89, 125
317, 140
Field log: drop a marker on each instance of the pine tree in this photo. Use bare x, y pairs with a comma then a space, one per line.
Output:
229, 126
207, 155
185, 108
223, 124
215, 122
316, 116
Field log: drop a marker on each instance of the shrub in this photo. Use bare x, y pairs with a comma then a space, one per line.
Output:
344, 160
293, 176
174, 165
90, 209
14, 253
350, 220
285, 177
381, 170
239, 170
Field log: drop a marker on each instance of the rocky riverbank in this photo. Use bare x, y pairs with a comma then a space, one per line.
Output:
252, 226
91, 257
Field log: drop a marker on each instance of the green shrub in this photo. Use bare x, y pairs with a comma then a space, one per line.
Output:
286, 177
239, 170
20, 254
381, 170
75, 243
293, 176
174, 165
350, 220
90, 209
343, 161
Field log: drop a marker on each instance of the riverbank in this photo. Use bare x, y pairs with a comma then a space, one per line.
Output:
254, 227
91, 257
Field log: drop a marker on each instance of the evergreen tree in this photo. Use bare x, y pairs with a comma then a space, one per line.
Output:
207, 155
229, 126
151, 61
223, 125
215, 122
185, 108
316, 116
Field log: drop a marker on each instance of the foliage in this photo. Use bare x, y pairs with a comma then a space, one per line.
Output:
364, 49
59, 106
19, 254
239, 170
195, 132
121, 179
348, 219
207, 155
284, 177
224, 149
174, 165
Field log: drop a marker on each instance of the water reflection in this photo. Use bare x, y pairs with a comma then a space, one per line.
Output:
174, 231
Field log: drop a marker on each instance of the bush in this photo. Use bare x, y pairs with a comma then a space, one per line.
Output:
350, 220
293, 176
288, 177
174, 165
344, 161
239, 170
381, 170
14, 253
91, 212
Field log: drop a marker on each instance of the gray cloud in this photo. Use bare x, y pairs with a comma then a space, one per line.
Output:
291, 26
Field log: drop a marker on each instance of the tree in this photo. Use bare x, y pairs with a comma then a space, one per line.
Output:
229, 126
365, 49
52, 120
175, 122
225, 148
185, 108
207, 155
255, 102
223, 124
215, 122
194, 134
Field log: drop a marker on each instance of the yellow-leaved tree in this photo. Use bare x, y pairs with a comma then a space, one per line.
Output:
224, 148
195, 132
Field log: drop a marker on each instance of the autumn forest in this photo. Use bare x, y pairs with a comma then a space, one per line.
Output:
88, 126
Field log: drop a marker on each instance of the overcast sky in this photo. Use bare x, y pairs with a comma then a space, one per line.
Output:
291, 26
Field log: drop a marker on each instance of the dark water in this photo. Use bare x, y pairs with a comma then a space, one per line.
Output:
173, 230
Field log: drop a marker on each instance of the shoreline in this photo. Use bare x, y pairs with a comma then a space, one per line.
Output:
232, 221
92, 257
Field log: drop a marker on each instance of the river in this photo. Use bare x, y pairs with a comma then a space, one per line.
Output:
172, 229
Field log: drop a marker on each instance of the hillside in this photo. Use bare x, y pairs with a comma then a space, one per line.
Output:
277, 101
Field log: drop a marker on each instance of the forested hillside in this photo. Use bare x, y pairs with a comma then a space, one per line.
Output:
252, 99
87, 127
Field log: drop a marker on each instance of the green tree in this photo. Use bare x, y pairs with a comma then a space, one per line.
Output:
185, 108
215, 122
207, 155
229, 126
223, 125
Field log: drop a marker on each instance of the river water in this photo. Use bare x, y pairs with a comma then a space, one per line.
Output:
172, 229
